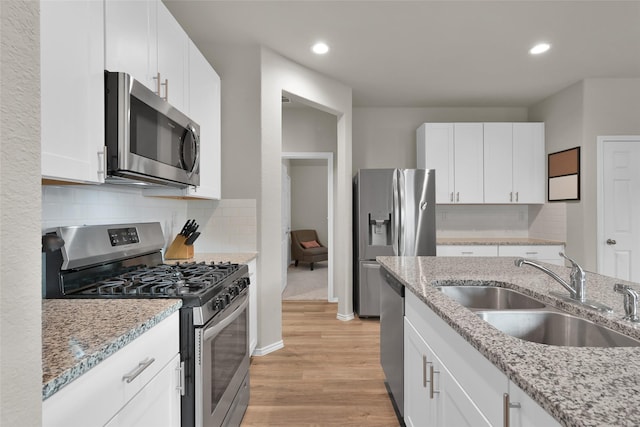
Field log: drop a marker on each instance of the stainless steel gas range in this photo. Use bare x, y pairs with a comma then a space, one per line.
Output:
125, 261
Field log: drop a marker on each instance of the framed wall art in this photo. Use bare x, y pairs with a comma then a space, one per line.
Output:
564, 175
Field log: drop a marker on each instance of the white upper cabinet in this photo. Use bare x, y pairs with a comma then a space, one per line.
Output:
143, 39
204, 109
173, 60
131, 40
72, 91
454, 150
498, 163
528, 162
514, 163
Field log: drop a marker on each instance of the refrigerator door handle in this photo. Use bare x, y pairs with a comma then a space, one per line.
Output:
401, 212
395, 213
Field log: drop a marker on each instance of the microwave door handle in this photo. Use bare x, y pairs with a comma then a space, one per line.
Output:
196, 148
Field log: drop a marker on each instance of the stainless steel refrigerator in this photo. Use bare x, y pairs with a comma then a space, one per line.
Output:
394, 214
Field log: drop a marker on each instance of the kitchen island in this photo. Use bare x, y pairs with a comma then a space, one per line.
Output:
578, 386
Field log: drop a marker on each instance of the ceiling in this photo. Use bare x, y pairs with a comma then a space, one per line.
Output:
433, 53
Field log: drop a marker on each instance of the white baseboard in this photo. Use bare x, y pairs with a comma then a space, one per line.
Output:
263, 351
345, 317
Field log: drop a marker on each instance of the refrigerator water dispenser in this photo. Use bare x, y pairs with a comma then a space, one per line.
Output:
379, 229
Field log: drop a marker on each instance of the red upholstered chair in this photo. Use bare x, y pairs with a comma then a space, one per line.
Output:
311, 253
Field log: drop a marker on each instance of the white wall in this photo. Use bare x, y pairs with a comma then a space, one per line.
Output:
309, 196
20, 290
278, 75
574, 117
482, 221
386, 137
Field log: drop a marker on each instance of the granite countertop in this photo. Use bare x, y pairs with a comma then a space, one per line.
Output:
579, 386
495, 241
233, 257
77, 334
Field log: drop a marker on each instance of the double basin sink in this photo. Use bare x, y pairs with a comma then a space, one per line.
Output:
528, 319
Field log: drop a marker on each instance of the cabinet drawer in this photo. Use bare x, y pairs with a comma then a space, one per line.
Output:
96, 396
540, 252
466, 250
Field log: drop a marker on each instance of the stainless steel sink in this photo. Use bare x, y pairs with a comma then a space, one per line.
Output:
489, 297
555, 328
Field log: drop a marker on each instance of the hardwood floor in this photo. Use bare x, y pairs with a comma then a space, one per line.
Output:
327, 374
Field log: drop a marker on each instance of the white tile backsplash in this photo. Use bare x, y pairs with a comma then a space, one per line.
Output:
89, 205
482, 221
228, 225
548, 221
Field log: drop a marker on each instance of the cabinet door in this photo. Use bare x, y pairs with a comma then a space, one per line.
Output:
204, 108
130, 40
498, 163
157, 404
529, 413
469, 160
436, 151
72, 90
419, 409
528, 163
457, 408
173, 47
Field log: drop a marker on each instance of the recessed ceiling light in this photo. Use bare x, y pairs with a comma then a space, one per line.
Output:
320, 48
540, 48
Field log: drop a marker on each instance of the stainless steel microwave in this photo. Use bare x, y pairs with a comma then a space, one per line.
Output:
147, 139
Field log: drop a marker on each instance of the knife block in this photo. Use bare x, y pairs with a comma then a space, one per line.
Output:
178, 250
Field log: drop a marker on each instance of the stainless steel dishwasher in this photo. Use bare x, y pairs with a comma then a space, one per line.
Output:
392, 338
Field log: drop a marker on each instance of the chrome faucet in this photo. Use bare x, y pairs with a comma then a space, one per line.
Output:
630, 301
576, 285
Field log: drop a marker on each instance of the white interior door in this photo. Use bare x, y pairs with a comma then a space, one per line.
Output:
619, 240
286, 223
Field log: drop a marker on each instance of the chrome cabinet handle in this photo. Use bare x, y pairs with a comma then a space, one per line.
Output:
138, 370
166, 89
102, 159
507, 405
511, 196
451, 197
424, 371
158, 84
517, 196
458, 197
432, 380
181, 380
611, 242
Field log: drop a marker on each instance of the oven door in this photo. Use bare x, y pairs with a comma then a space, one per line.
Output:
223, 364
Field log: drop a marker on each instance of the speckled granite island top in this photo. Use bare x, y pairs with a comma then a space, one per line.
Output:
585, 386
77, 334
504, 241
233, 257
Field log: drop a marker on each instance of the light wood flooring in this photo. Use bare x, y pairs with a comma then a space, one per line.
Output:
328, 373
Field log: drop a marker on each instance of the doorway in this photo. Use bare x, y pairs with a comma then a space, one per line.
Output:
313, 158
618, 237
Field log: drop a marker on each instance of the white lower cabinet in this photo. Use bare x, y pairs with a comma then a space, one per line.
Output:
433, 398
449, 383
547, 253
466, 250
155, 404
544, 253
136, 386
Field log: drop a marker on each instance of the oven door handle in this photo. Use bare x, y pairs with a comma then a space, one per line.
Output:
215, 329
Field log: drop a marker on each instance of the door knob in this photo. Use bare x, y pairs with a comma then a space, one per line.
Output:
611, 242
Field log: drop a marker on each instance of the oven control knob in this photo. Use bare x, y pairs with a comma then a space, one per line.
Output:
217, 305
227, 298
